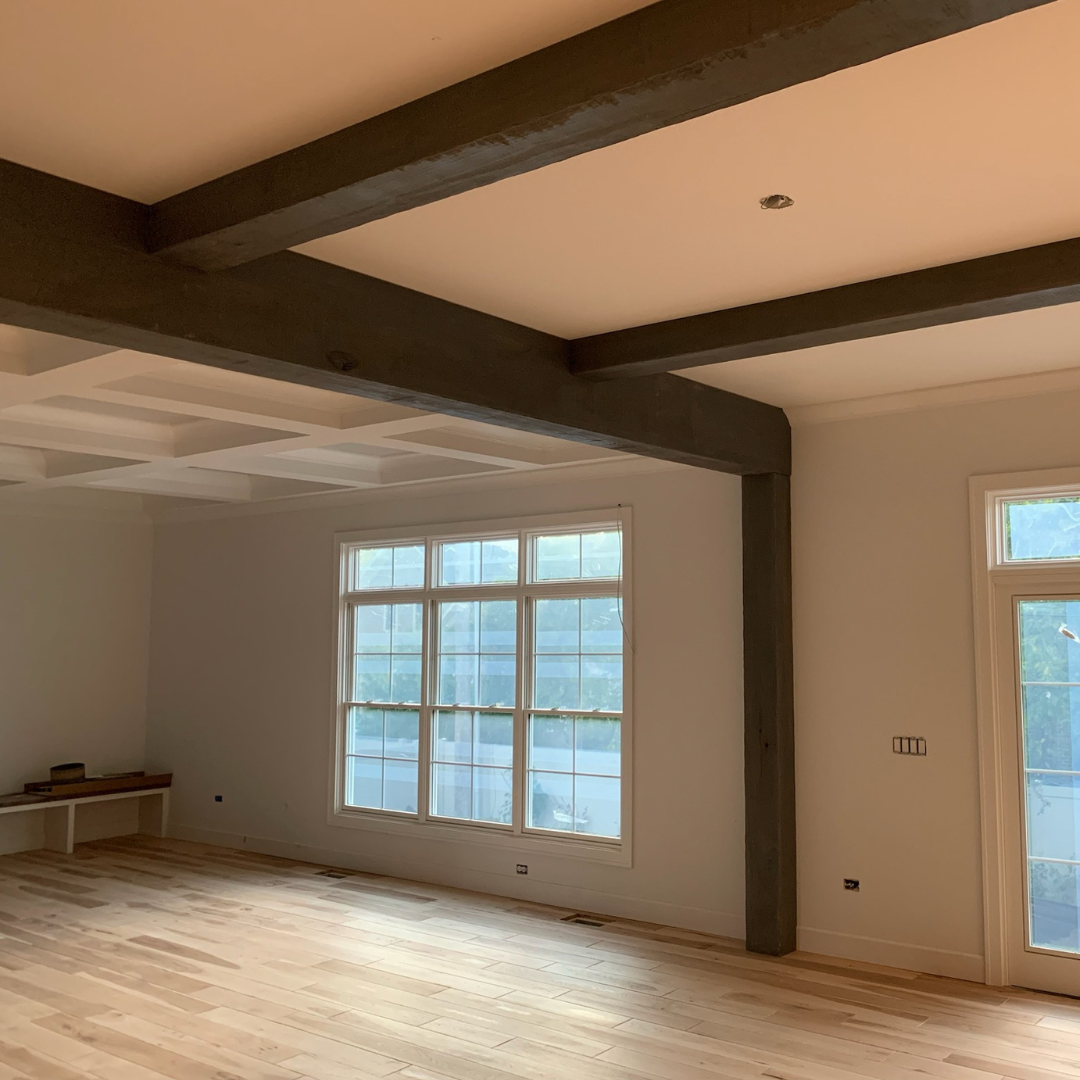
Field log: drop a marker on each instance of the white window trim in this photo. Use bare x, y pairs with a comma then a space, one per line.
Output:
994, 579
597, 849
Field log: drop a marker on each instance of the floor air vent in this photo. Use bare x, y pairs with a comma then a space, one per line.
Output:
583, 920
332, 873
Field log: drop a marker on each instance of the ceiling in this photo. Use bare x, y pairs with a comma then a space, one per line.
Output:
140, 434
947, 151
983, 349
958, 148
145, 98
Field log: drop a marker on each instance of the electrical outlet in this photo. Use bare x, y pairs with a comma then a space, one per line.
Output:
851, 884
522, 868
219, 798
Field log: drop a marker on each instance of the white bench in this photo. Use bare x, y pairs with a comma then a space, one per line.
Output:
60, 814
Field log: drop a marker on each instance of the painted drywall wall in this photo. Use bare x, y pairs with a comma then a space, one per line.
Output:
883, 647
74, 653
241, 692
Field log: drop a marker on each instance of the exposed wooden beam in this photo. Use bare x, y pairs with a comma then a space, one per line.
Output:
769, 763
976, 289
70, 263
666, 63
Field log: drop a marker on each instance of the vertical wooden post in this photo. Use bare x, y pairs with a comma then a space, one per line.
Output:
769, 715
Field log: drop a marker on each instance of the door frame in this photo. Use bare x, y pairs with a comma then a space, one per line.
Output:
993, 584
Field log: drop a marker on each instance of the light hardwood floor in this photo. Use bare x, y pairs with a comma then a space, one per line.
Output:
137, 959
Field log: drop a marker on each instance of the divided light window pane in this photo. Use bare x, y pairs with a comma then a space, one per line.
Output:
1042, 528
577, 662
477, 662
574, 762
398, 566
479, 562
382, 751
577, 556
472, 766
574, 768
387, 647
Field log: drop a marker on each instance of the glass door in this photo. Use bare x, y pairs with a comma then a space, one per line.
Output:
1043, 739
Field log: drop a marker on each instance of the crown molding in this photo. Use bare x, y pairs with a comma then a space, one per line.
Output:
1013, 386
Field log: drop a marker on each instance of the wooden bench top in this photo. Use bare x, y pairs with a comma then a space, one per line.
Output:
44, 802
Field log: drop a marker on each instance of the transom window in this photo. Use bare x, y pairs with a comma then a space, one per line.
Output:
482, 680
1042, 528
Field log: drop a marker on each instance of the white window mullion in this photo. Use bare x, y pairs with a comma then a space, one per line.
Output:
427, 675
423, 798
345, 691
520, 714
520, 773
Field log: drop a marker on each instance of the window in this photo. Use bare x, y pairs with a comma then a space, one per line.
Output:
1046, 528
1026, 592
482, 683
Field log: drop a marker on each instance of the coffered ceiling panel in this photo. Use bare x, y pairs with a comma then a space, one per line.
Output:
143, 435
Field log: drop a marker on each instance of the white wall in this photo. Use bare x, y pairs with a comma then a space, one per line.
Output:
883, 647
240, 695
74, 612
241, 692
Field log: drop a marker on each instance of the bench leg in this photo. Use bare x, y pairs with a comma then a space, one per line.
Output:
154, 814
60, 828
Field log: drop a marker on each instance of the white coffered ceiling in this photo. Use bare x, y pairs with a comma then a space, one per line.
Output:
143, 434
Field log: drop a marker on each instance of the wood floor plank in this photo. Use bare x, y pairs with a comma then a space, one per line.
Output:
147, 959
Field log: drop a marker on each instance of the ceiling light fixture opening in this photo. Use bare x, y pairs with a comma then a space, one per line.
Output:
776, 202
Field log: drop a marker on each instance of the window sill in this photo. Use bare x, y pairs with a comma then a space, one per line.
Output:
615, 853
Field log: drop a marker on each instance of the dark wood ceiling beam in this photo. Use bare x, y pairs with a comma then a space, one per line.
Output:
71, 263
666, 63
976, 289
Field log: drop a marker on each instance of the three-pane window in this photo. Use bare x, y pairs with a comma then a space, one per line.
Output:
484, 680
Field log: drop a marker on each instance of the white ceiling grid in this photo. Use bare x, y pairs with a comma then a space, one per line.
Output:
181, 434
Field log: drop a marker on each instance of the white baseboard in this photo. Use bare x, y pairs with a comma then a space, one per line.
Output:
954, 965
723, 924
